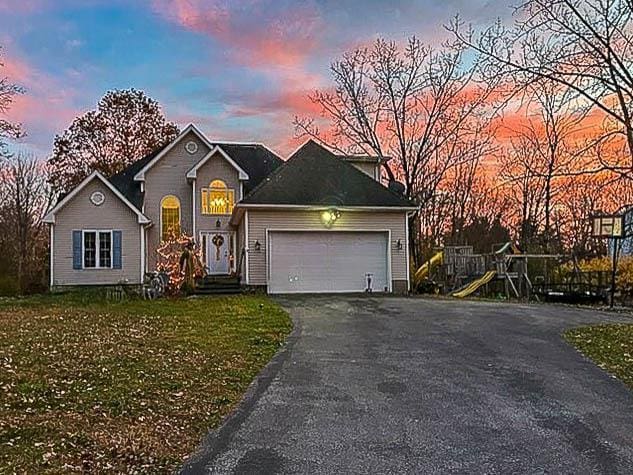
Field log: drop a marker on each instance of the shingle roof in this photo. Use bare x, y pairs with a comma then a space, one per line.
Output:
124, 180
254, 159
315, 176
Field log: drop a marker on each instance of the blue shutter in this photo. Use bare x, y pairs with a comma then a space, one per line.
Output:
77, 257
116, 249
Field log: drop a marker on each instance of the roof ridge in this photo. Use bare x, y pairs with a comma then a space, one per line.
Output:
324, 154
256, 144
268, 178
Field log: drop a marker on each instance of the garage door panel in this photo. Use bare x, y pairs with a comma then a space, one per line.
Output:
327, 261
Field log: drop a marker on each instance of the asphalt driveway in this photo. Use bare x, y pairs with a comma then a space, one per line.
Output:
403, 385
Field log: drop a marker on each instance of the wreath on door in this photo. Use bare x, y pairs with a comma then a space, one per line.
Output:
217, 241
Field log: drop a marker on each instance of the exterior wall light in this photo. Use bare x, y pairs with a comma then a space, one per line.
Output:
399, 245
329, 217
218, 223
258, 246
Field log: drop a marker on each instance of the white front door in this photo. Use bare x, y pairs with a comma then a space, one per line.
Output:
218, 252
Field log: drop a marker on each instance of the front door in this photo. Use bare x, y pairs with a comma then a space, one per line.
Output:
218, 252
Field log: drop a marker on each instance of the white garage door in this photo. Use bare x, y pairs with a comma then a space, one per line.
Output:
333, 261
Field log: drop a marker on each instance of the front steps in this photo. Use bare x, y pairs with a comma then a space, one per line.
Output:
218, 284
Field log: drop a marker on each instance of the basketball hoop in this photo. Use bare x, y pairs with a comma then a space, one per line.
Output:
607, 226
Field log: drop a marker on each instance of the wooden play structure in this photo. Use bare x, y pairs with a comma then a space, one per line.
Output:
504, 272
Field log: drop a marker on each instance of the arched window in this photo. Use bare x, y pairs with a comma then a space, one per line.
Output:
217, 198
169, 216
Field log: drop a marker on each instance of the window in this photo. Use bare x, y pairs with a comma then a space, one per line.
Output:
105, 249
169, 217
217, 198
100, 241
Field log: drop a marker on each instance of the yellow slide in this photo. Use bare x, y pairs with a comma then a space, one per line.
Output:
475, 284
423, 272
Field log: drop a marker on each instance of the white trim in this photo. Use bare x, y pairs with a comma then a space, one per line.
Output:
142, 254
406, 243
241, 192
160, 216
52, 258
261, 144
209, 189
50, 216
234, 246
140, 176
389, 272
192, 173
209, 234
326, 230
246, 269
97, 250
193, 208
324, 207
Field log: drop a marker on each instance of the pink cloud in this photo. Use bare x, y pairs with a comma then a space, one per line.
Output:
21, 6
45, 108
255, 34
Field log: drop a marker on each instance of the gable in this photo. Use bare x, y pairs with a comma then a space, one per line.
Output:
314, 176
218, 153
105, 188
191, 145
86, 214
254, 159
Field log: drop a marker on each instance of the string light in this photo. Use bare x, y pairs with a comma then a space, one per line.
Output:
169, 252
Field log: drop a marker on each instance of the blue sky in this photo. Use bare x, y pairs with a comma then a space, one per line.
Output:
241, 70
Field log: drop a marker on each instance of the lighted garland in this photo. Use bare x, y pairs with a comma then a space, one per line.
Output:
169, 252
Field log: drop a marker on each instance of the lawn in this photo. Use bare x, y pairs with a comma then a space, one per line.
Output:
96, 386
609, 346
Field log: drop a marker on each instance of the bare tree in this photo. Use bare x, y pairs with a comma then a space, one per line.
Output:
26, 196
415, 104
584, 46
555, 138
523, 187
8, 91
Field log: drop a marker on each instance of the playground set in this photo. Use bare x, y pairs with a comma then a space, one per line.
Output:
508, 273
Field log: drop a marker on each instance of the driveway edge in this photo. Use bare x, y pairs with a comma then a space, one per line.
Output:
218, 439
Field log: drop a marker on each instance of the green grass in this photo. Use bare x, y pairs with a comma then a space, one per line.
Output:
91, 385
609, 346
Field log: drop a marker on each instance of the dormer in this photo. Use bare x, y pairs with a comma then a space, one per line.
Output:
369, 164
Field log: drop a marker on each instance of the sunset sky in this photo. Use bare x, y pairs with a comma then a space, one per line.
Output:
240, 70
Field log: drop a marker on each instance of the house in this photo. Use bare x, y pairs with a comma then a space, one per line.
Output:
318, 222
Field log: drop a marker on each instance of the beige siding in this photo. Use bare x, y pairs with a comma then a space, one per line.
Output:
79, 213
261, 220
216, 168
168, 177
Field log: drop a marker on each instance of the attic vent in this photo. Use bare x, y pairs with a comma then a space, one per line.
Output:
191, 147
97, 198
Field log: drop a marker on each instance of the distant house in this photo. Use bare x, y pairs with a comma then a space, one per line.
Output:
317, 222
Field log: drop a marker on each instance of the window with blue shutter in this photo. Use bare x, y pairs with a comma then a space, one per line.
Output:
77, 258
116, 249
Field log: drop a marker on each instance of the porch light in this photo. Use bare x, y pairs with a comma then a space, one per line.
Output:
399, 244
258, 246
218, 223
328, 217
